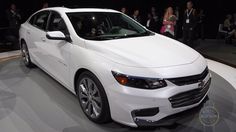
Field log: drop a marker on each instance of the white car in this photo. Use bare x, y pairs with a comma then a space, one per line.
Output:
118, 69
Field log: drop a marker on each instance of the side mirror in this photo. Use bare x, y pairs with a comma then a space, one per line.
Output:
57, 35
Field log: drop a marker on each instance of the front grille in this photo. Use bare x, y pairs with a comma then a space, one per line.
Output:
189, 79
189, 97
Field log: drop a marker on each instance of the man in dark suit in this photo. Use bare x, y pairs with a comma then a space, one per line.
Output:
136, 16
189, 24
151, 24
14, 19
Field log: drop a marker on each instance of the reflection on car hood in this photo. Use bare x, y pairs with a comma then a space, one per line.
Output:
149, 51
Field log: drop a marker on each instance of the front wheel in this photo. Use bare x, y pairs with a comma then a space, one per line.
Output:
92, 98
26, 56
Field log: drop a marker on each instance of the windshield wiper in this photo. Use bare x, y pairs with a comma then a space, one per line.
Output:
100, 38
146, 33
110, 37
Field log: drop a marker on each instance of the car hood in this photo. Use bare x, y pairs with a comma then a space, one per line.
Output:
149, 51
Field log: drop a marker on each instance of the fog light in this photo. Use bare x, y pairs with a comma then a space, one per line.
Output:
145, 112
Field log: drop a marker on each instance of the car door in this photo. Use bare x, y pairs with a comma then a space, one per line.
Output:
36, 36
56, 52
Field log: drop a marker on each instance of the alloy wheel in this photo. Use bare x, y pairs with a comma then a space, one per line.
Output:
25, 54
90, 98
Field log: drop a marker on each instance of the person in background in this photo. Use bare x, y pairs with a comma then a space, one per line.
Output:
45, 5
189, 24
14, 21
123, 10
229, 26
156, 20
169, 22
154, 14
201, 24
234, 19
136, 16
150, 24
177, 22
235, 24
177, 13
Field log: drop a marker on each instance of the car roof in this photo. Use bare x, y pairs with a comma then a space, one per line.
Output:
71, 10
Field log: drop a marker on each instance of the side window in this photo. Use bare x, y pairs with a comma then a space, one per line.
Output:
41, 20
56, 23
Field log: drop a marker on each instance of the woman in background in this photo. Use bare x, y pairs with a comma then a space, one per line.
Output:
169, 21
229, 26
123, 10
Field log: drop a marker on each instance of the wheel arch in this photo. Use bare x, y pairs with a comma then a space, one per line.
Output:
22, 41
84, 69
77, 74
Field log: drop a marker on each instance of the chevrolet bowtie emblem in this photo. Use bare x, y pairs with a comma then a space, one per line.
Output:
201, 84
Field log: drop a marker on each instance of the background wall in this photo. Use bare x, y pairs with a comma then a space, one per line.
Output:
215, 10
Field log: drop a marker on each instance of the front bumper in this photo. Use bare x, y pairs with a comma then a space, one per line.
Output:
183, 99
172, 119
162, 102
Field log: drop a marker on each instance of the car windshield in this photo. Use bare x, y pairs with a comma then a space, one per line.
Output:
105, 26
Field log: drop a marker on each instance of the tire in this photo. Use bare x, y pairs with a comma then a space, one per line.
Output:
92, 98
25, 55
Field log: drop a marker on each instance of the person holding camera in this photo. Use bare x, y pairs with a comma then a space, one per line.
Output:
169, 21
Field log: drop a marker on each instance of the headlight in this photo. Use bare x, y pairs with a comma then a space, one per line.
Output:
139, 82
